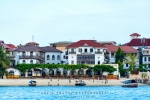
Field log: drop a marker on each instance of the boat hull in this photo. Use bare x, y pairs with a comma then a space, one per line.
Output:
80, 84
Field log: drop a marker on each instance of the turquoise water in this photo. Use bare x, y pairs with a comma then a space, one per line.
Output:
74, 93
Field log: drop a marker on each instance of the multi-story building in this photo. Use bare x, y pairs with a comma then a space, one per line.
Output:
142, 45
62, 47
111, 52
31, 53
86, 52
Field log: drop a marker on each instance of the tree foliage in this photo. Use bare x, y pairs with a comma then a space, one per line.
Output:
4, 62
131, 60
119, 55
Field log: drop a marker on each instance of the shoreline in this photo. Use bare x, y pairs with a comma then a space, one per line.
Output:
61, 82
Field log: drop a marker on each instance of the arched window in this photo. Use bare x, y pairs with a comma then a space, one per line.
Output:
53, 57
31, 53
23, 61
48, 57
31, 61
58, 57
98, 62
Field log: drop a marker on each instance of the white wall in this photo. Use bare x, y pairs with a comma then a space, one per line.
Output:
72, 57
16, 71
99, 57
50, 61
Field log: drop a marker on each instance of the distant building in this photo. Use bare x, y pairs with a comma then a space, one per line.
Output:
62, 47
31, 53
142, 45
111, 52
86, 52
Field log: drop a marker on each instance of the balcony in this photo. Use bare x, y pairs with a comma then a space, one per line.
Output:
98, 52
146, 53
72, 52
11, 57
31, 57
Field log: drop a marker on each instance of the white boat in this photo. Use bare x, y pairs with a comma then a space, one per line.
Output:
130, 83
32, 83
80, 83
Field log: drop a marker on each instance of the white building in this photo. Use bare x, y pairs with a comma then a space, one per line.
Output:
86, 52
31, 53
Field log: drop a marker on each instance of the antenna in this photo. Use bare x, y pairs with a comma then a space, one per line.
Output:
32, 38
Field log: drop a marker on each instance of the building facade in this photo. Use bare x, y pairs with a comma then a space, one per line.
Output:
86, 52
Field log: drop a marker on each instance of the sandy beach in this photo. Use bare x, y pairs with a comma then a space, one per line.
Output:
61, 82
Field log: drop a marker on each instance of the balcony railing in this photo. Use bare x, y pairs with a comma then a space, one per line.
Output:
31, 57
146, 53
72, 52
98, 52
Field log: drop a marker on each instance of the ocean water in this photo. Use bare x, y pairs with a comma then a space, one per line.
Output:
74, 93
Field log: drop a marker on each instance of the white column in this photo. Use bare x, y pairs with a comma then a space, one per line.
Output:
26, 74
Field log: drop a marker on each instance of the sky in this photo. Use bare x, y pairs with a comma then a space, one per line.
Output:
73, 20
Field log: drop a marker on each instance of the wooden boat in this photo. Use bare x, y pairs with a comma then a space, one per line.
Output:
130, 83
80, 83
32, 83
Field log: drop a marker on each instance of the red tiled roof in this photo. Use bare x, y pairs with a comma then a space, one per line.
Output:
11, 45
111, 48
137, 42
125, 49
135, 34
82, 42
33, 43
128, 49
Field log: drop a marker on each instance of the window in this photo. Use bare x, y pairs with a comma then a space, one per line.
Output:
98, 62
127, 65
72, 62
31, 53
148, 58
80, 49
148, 65
98, 50
85, 50
53, 57
58, 57
23, 53
23, 61
11, 72
48, 57
64, 57
31, 61
112, 54
144, 58
72, 50
91, 50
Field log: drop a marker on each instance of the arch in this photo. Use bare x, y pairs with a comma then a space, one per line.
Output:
80, 72
11, 72
58, 57
29, 72
51, 72
48, 57
23, 61
31, 61
53, 57
58, 72
72, 72
88, 72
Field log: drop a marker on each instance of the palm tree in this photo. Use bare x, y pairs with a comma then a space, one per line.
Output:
4, 62
131, 60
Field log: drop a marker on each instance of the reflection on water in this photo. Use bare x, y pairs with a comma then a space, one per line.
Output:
75, 93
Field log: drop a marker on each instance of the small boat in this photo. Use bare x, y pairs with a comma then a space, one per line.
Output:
80, 83
32, 83
130, 83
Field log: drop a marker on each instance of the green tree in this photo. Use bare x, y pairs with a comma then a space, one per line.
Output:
119, 55
131, 60
121, 70
4, 62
